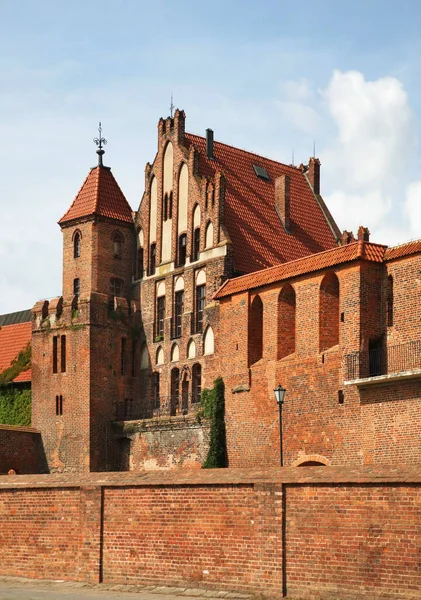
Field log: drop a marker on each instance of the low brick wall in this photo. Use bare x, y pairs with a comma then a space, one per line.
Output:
323, 532
21, 450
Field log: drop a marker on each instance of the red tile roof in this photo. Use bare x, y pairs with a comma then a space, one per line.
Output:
100, 194
13, 339
258, 236
403, 250
308, 264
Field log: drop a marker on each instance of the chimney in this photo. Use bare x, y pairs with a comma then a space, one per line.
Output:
282, 200
347, 237
209, 143
313, 174
363, 234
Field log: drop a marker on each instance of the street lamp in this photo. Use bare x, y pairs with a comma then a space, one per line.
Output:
280, 392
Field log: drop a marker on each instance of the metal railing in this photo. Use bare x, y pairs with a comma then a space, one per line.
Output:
150, 409
383, 361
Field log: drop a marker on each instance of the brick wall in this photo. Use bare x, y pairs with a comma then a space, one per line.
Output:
324, 532
21, 450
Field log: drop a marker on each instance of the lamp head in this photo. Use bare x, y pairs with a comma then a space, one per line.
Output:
279, 392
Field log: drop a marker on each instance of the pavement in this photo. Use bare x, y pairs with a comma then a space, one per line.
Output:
20, 588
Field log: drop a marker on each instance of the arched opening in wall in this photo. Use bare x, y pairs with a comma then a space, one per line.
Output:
286, 321
144, 358
191, 349
311, 460
389, 301
182, 249
200, 301
159, 356
76, 244
208, 341
329, 316
196, 382
311, 463
255, 331
185, 385
175, 391
196, 233
209, 236
117, 243
175, 353
177, 319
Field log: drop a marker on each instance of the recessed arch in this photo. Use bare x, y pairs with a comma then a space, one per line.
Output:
183, 197
160, 289
209, 235
201, 277
286, 321
175, 353
209, 341
168, 168
144, 358
311, 460
179, 284
255, 331
153, 210
140, 237
191, 349
196, 216
159, 356
329, 311
77, 239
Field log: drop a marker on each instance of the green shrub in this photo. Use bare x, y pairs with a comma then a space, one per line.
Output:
213, 408
15, 406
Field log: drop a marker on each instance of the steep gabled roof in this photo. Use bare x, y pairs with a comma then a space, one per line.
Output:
258, 236
14, 339
315, 262
101, 195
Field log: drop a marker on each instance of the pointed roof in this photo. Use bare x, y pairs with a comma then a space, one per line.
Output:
259, 239
101, 195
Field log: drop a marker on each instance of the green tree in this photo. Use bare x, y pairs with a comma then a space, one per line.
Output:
213, 402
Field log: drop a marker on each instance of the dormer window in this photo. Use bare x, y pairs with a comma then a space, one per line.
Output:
117, 240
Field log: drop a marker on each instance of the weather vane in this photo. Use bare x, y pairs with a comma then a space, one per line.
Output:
171, 107
100, 142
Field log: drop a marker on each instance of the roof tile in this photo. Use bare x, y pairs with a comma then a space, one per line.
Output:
403, 250
13, 339
258, 236
308, 264
100, 194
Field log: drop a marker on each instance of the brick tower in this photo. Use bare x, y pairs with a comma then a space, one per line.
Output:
84, 343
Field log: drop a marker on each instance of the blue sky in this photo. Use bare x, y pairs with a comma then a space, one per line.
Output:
271, 77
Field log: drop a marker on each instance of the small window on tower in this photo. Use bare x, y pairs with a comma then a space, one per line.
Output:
116, 287
117, 239
76, 287
76, 245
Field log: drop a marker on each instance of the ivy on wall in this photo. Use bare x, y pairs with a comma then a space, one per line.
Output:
15, 402
213, 408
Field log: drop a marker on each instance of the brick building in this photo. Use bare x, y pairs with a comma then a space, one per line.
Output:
136, 333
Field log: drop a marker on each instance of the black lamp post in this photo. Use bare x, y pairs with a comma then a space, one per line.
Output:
279, 392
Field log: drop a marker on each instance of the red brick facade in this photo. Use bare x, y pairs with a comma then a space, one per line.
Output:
302, 533
21, 450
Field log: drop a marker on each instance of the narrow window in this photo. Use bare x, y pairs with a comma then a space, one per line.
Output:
200, 305
63, 353
123, 355
165, 208
76, 287
175, 391
152, 260
182, 247
140, 263
61, 405
160, 315
57, 406
116, 287
76, 245
196, 244
179, 309
117, 245
155, 390
329, 314
170, 207
55, 354
389, 307
255, 333
196, 382
134, 358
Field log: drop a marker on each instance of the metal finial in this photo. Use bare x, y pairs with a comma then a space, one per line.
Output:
100, 142
314, 149
171, 107
293, 157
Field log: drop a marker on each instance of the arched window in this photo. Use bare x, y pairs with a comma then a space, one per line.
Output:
389, 301
159, 356
182, 250
255, 333
209, 341
175, 391
196, 382
286, 321
196, 244
191, 349
76, 245
209, 235
329, 312
117, 241
185, 393
144, 358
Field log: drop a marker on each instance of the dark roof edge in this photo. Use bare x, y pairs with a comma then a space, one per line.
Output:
22, 316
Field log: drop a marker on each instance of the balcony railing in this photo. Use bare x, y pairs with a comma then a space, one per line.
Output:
383, 361
168, 407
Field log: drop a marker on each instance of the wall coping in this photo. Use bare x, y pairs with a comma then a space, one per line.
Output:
18, 428
373, 474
